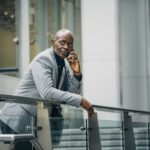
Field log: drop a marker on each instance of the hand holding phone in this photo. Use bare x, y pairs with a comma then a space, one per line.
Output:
74, 62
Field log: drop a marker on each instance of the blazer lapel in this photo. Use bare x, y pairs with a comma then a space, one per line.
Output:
55, 74
55, 68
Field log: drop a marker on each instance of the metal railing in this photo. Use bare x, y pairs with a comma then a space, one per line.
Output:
92, 128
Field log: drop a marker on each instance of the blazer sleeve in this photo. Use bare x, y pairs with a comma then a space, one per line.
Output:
42, 72
73, 84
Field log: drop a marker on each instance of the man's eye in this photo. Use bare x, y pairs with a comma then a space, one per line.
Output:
62, 42
70, 45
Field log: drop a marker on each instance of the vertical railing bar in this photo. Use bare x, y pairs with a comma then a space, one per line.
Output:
129, 134
94, 133
123, 134
123, 139
149, 132
86, 123
148, 135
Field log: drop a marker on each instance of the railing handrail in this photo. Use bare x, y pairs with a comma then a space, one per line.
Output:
27, 100
117, 109
35, 101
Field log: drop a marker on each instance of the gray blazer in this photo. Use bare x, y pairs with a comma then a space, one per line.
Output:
39, 81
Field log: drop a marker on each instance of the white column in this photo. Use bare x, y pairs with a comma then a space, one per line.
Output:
134, 53
24, 56
99, 51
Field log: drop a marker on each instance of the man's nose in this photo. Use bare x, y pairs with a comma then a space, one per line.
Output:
66, 46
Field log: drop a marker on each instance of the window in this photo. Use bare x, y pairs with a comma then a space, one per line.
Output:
8, 38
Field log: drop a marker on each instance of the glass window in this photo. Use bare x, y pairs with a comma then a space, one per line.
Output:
33, 19
8, 38
47, 17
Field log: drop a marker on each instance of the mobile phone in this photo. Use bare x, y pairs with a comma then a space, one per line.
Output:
68, 52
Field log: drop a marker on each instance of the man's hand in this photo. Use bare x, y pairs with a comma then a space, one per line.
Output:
87, 106
74, 62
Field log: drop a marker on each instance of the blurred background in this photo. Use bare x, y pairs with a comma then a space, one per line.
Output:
111, 36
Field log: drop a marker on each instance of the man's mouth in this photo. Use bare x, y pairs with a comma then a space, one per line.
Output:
65, 53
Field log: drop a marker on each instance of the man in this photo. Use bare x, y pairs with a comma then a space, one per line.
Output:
53, 74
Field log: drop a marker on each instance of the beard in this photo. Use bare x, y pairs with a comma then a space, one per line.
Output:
65, 54
62, 52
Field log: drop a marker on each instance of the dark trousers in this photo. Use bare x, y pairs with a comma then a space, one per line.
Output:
19, 145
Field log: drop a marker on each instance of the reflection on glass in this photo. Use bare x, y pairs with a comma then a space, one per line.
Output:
65, 134
25, 124
141, 134
8, 38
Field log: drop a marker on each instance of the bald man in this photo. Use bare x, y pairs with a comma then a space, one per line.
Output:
53, 74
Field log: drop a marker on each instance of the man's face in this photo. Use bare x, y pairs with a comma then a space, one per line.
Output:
63, 45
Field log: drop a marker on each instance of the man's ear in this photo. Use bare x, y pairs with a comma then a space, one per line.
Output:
52, 42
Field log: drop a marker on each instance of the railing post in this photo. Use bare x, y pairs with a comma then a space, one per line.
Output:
128, 132
94, 133
44, 135
148, 135
86, 127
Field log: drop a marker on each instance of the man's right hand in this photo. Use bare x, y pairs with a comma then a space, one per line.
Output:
87, 106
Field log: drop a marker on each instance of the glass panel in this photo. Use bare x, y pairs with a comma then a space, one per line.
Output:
141, 135
141, 130
111, 134
112, 131
64, 135
8, 38
68, 131
26, 126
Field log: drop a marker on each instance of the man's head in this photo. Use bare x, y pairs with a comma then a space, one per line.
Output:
63, 43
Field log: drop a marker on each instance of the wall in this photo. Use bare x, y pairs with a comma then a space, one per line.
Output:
99, 47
